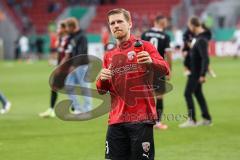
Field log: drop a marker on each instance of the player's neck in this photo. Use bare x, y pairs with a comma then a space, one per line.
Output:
200, 30
123, 39
158, 28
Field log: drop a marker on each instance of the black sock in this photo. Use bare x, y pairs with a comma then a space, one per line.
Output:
159, 108
53, 99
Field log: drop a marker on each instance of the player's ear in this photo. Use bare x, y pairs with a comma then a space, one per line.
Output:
130, 24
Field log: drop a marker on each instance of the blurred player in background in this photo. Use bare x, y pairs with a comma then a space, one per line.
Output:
188, 36
105, 37
62, 43
198, 65
53, 49
24, 47
161, 41
78, 45
236, 40
130, 130
39, 43
5, 103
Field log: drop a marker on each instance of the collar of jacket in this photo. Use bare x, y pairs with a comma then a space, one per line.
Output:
127, 44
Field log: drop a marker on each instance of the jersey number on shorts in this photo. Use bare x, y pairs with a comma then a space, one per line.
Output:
107, 147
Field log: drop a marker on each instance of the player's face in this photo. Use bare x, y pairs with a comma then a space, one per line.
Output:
119, 26
61, 30
192, 28
70, 29
165, 22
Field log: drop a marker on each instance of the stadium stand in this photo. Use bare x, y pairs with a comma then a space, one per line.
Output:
43, 13
13, 14
140, 9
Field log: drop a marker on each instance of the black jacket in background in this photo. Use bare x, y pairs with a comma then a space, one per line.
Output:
187, 38
79, 46
199, 59
207, 33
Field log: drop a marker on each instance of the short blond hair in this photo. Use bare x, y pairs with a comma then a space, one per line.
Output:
125, 13
72, 22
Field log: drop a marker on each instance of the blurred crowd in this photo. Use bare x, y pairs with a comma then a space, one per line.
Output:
30, 48
27, 47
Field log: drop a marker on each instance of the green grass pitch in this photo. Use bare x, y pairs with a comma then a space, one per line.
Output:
25, 136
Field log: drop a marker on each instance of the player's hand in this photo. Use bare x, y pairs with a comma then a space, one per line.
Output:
144, 57
189, 44
186, 72
168, 77
202, 79
105, 74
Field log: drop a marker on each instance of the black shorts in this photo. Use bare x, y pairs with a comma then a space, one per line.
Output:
130, 141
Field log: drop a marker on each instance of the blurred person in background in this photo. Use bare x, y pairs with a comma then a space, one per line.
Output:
178, 37
5, 103
17, 49
53, 45
198, 66
208, 20
105, 36
62, 42
161, 41
236, 40
177, 44
39, 43
188, 36
53, 7
78, 45
24, 46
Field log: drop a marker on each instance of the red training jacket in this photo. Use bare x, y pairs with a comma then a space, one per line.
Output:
131, 91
